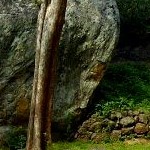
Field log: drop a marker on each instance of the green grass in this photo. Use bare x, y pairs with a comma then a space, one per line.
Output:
78, 145
91, 146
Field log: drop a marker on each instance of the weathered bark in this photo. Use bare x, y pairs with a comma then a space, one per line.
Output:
50, 22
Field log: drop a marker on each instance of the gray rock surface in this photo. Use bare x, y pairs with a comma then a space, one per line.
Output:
127, 121
17, 44
3, 131
127, 131
89, 36
143, 118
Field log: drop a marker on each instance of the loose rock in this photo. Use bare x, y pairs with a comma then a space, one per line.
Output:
116, 134
127, 121
143, 118
127, 131
141, 128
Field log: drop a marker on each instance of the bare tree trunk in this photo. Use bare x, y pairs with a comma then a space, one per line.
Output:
50, 23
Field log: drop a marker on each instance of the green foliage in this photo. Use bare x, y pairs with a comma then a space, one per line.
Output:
16, 138
125, 86
135, 12
121, 103
143, 106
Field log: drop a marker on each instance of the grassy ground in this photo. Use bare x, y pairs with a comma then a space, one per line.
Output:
91, 146
107, 146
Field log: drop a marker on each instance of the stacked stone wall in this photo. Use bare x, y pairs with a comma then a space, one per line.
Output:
116, 126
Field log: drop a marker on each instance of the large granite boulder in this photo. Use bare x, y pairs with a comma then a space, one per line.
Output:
89, 37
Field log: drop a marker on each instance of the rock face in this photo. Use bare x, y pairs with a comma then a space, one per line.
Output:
89, 36
17, 43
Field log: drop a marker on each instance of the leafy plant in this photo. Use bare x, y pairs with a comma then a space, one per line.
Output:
16, 138
122, 103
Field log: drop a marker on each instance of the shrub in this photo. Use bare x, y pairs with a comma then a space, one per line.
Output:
135, 22
135, 12
16, 138
125, 86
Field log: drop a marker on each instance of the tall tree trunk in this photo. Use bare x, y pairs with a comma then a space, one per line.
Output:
50, 22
